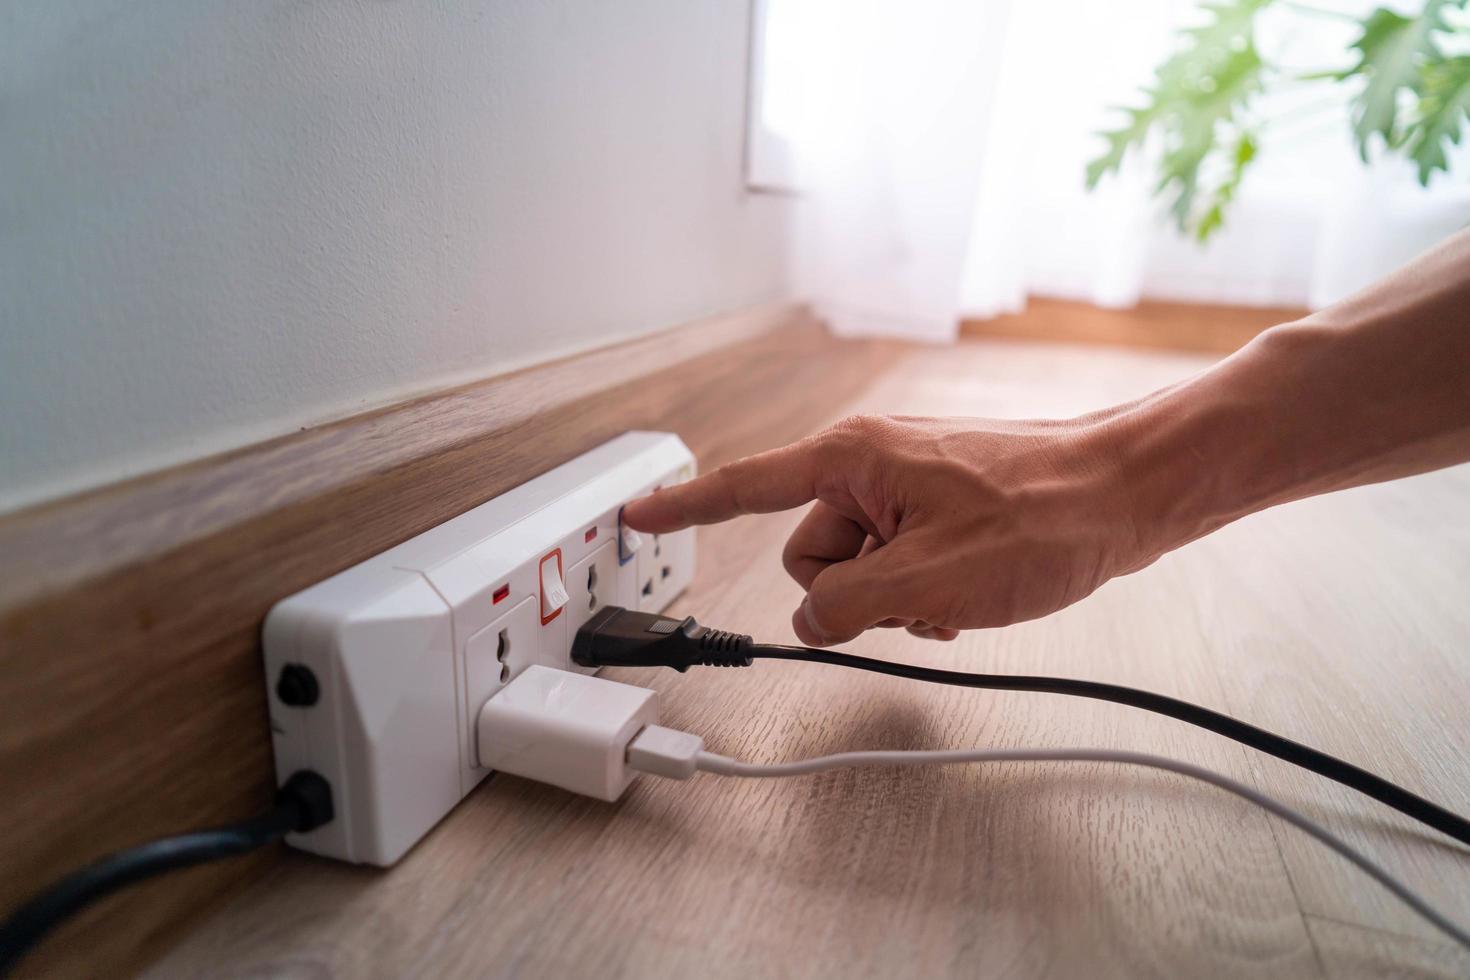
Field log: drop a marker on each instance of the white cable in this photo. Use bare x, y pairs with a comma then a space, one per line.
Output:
726, 766
592, 736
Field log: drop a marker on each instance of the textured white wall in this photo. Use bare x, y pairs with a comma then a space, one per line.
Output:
220, 221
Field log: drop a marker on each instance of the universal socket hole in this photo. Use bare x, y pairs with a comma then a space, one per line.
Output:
502, 649
648, 587
504, 673
592, 587
657, 548
667, 572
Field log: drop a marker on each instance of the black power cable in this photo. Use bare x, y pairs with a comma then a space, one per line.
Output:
303, 803
617, 637
1297, 754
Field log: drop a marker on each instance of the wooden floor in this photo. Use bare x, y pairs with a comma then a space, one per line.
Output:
1199, 327
1341, 621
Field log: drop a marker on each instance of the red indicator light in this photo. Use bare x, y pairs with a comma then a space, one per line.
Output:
590, 535
500, 593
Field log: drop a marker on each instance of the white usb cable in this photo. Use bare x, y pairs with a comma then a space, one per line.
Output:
664, 752
592, 736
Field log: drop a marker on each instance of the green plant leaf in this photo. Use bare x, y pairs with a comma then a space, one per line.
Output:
1392, 51
1413, 95
1213, 218
1195, 101
1443, 107
1119, 140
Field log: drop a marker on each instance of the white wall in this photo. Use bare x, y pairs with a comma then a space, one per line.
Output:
222, 220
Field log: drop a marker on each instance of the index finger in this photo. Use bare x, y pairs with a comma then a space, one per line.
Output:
776, 480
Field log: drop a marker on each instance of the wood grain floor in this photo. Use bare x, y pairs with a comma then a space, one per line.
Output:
1340, 621
1202, 327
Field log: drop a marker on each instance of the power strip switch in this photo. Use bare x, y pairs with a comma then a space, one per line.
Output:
378, 674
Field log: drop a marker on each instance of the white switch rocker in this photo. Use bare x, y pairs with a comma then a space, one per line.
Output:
629, 541
553, 589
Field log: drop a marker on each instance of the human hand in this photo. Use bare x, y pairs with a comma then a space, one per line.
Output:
935, 525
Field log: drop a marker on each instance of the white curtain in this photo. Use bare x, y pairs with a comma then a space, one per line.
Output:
885, 107
940, 148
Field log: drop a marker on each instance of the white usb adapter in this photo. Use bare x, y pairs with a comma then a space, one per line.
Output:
569, 730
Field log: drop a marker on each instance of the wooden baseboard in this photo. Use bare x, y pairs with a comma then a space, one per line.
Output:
130, 616
1173, 326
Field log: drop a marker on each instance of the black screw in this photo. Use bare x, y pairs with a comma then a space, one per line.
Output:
297, 686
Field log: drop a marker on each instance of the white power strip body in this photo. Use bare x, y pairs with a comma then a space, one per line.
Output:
404, 648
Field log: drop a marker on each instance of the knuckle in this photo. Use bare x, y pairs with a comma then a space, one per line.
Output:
791, 558
828, 617
728, 482
863, 428
863, 438
723, 476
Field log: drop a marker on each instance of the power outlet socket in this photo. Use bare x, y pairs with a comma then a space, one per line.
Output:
660, 560
377, 675
593, 583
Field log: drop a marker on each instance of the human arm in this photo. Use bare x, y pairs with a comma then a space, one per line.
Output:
947, 524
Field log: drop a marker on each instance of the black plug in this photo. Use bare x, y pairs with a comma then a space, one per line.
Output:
311, 796
617, 637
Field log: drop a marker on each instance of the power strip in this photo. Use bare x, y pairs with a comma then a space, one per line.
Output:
377, 674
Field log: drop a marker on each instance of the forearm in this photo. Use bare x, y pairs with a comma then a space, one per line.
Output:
983, 523
1373, 388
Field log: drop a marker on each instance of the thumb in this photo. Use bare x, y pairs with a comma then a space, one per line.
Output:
851, 596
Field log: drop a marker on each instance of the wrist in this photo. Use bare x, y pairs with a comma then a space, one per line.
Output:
1203, 453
